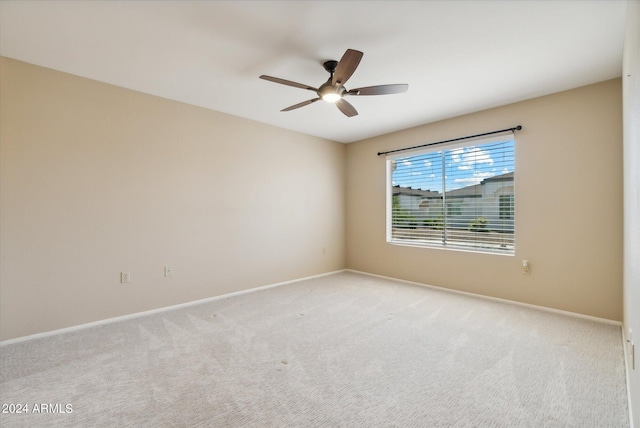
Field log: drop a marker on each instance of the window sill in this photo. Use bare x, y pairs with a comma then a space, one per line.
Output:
496, 252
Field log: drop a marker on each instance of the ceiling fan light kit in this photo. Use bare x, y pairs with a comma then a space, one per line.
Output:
329, 93
333, 90
331, 97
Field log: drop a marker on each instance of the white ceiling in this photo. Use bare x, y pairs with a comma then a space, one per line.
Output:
456, 56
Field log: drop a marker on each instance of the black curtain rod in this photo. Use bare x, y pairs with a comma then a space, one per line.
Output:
516, 128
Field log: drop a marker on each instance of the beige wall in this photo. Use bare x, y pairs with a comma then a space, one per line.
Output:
97, 179
568, 206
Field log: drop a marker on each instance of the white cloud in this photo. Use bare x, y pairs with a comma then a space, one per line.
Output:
468, 157
478, 156
406, 162
427, 163
455, 155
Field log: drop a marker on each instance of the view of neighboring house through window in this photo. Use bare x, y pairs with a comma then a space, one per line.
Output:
456, 196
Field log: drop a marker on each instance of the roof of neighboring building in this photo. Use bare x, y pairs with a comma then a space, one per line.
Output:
502, 177
415, 192
475, 190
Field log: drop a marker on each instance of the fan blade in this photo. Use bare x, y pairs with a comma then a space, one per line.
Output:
346, 108
288, 83
379, 90
302, 104
346, 66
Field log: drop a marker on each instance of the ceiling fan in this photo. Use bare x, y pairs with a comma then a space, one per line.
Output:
333, 89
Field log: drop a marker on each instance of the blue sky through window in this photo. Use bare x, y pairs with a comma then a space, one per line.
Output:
464, 166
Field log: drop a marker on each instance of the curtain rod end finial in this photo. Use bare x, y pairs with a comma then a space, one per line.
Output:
519, 127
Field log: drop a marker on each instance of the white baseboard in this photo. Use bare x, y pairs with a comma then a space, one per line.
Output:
514, 302
155, 311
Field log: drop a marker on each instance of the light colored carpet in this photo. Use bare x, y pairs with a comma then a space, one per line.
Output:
341, 350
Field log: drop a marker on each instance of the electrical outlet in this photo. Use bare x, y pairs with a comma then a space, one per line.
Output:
168, 271
125, 277
526, 268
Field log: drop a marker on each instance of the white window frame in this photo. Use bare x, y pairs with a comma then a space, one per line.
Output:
510, 251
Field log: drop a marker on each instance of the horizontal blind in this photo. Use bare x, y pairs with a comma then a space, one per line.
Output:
458, 197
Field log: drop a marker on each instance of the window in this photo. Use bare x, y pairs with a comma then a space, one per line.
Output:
506, 207
460, 196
